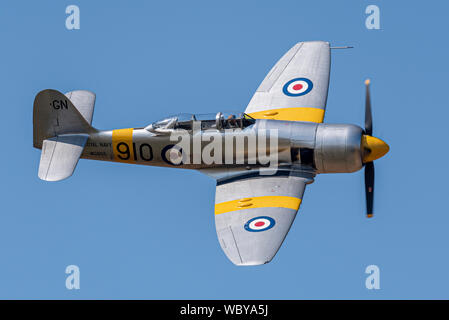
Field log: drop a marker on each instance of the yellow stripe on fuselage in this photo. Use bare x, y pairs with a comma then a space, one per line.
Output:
258, 202
122, 145
291, 114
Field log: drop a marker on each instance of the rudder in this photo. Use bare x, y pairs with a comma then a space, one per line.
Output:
84, 102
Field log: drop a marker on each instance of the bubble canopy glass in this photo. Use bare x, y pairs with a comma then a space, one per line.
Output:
220, 120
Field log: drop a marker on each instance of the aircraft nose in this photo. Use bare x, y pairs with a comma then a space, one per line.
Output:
373, 148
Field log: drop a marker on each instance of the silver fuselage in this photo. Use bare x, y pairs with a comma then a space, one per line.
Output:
325, 148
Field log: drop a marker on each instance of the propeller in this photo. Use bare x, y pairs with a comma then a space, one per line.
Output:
369, 188
368, 114
369, 166
372, 149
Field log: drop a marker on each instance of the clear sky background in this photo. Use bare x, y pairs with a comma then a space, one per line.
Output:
148, 233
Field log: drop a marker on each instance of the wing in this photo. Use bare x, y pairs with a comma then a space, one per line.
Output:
253, 214
296, 87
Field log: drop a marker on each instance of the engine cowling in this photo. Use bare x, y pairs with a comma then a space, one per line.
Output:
338, 148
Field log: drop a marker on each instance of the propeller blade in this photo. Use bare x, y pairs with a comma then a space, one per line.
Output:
368, 115
369, 188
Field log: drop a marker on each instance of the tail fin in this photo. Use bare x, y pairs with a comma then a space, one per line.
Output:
54, 114
61, 130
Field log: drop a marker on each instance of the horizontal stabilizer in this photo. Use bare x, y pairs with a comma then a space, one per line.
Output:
60, 155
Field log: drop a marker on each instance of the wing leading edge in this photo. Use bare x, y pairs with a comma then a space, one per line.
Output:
253, 215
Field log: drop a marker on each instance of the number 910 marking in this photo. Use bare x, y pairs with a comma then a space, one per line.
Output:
125, 153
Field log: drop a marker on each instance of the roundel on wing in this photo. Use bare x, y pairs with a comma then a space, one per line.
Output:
258, 224
297, 87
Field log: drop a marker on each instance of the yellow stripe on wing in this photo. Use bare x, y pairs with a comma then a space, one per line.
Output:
258, 202
291, 114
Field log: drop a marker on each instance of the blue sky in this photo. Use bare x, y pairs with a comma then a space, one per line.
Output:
148, 233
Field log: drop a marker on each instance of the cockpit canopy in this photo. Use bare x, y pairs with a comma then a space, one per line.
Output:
219, 121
